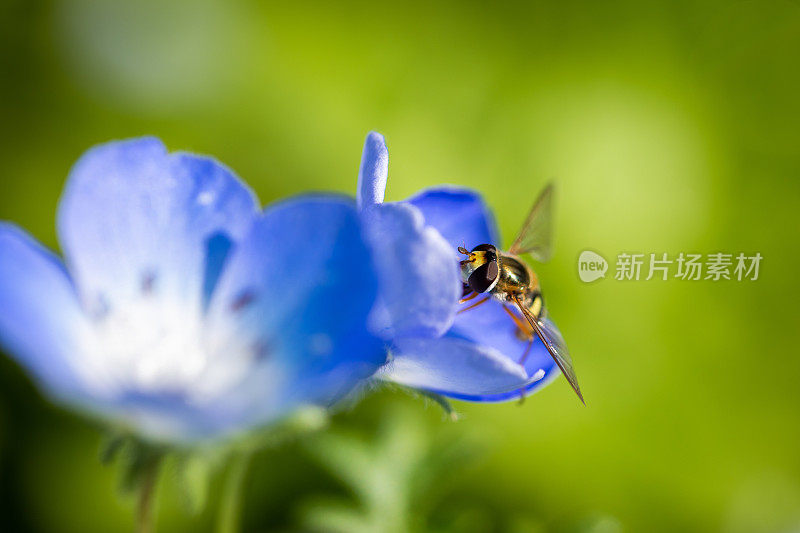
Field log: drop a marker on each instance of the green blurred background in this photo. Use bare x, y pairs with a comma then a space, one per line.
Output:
669, 127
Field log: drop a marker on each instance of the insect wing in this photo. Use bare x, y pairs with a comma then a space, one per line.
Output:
550, 336
536, 236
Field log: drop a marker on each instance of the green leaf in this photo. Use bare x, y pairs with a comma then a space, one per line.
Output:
110, 446
393, 474
194, 475
135, 459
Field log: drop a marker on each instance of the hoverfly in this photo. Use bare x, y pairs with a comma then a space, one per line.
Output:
509, 280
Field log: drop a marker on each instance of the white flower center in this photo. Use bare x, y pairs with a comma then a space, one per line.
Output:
154, 346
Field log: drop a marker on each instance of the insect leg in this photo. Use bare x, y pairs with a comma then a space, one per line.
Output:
468, 298
521, 397
527, 351
523, 326
526, 329
476, 304
522, 363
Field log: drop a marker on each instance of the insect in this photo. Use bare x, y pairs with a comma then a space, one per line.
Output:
504, 277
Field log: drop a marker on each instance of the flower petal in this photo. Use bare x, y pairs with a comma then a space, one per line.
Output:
296, 294
134, 218
417, 269
490, 326
453, 367
41, 322
460, 215
373, 172
477, 360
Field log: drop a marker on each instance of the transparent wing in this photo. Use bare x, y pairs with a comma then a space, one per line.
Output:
550, 336
536, 236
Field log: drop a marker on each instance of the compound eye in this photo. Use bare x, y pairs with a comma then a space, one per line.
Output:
484, 277
485, 248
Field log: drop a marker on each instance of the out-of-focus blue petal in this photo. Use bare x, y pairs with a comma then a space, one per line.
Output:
41, 323
452, 366
459, 214
373, 172
133, 217
295, 295
218, 248
417, 269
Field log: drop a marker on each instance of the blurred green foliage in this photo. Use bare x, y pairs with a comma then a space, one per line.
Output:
669, 127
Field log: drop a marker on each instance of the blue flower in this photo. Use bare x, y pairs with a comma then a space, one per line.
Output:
471, 356
417, 268
181, 311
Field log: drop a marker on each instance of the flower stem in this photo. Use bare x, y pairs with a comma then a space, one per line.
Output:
144, 505
231, 504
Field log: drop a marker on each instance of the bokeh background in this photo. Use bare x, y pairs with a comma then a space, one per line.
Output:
668, 127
